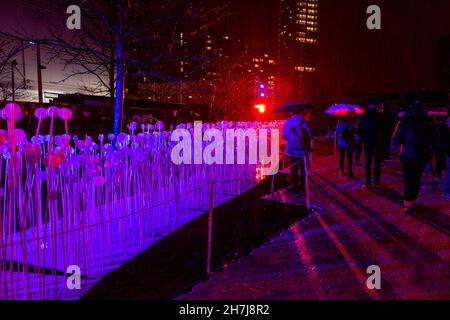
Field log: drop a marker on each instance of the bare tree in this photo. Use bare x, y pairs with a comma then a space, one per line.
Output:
228, 84
121, 40
10, 87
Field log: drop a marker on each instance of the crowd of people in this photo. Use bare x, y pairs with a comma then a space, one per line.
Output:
423, 142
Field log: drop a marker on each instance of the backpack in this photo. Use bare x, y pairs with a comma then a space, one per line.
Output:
348, 132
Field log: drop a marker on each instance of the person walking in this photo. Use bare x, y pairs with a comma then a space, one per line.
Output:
440, 150
446, 191
298, 135
346, 130
415, 135
390, 123
358, 144
372, 131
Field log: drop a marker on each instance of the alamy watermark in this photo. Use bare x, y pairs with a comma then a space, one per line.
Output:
74, 277
374, 20
214, 146
374, 280
73, 22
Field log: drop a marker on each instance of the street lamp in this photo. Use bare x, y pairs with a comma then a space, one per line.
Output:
39, 72
13, 86
40, 67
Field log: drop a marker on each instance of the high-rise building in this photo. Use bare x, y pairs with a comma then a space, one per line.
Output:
262, 69
297, 41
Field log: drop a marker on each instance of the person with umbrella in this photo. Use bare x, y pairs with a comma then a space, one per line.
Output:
346, 130
390, 123
358, 144
416, 136
385, 103
441, 144
446, 192
298, 135
372, 131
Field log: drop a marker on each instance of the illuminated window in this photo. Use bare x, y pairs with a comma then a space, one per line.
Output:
305, 69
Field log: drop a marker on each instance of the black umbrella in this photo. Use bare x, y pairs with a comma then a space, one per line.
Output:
293, 107
427, 97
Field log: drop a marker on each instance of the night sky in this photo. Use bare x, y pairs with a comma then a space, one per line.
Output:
352, 60
401, 57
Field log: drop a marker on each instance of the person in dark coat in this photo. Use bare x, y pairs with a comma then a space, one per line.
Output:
358, 145
390, 127
440, 149
346, 130
446, 192
415, 135
298, 135
372, 132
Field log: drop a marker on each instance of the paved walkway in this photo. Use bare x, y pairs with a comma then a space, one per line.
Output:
326, 255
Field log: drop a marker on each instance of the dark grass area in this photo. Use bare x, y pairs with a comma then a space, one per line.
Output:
175, 263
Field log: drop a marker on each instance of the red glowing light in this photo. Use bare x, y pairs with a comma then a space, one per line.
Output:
261, 107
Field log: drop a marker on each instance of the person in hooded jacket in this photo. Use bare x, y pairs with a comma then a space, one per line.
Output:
415, 135
346, 130
372, 131
298, 136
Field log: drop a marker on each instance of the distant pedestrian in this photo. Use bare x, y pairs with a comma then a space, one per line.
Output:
415, 135
346, 130
390, 123
298, 135
440, 150
358, 144
372, 132
446, 192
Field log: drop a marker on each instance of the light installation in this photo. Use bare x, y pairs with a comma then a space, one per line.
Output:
94, 203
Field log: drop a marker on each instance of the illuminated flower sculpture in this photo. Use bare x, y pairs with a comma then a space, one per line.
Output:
94, 203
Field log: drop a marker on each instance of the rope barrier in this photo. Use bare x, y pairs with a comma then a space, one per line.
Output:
305, 159
115, 219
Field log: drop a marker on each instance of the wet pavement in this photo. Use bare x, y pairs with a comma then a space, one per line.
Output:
326, 254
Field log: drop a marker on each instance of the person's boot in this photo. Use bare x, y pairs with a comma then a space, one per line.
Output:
350, 172
367, 185
408, 208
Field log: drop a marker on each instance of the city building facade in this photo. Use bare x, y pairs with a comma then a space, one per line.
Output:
297, 42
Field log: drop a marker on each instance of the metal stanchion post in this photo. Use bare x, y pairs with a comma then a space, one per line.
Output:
272, 188
305, 163
210, 217
335, 142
